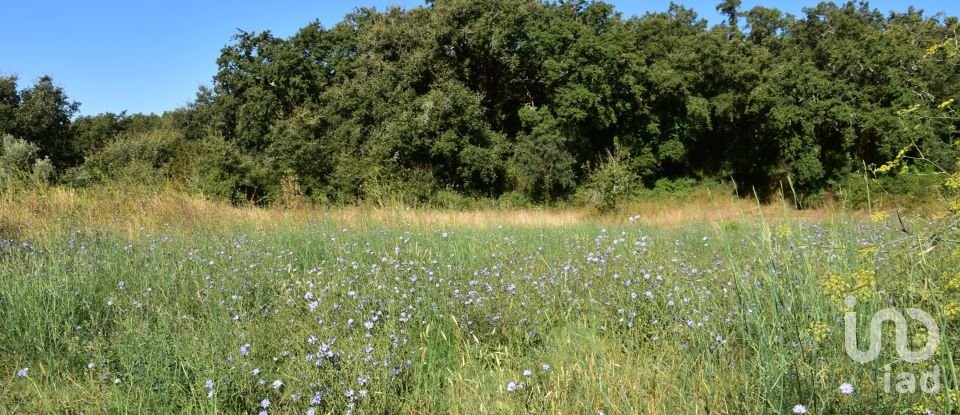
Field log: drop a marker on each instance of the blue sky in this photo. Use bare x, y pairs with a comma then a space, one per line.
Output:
144, 56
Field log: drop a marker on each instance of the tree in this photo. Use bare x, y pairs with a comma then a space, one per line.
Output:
91, 133
43, 118
541, 164
730, 8
9, 101
520, 95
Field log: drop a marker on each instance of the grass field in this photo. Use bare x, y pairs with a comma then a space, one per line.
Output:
167, 304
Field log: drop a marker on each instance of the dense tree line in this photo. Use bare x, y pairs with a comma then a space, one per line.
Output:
532, 100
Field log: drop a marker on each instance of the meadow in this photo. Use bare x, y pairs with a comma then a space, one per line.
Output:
165, 303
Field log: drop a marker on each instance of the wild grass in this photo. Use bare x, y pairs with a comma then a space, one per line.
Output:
132, 302
35, 211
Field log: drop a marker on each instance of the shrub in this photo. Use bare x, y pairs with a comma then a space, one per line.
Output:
815, 200
143, 158
612, 182
16, 155
674, 187
410, 187
291, 194
218, 169
16, 158
43, 171
514, 200
856, 192
450, 199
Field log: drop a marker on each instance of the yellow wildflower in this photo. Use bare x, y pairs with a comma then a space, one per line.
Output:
783, 231
818, 331
953, 181
886, 168
921, 409
868, 252
879, 216
954, 283
952, 310
920, 338
866, 283
835, 288
953, 396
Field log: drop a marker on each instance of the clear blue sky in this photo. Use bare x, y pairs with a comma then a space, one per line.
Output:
150, 56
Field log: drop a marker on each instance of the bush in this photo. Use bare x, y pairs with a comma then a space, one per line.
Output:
612, 182
815, 200
910, 189
291, 193
218, 169
514, 200
43, 171
144, 158
16, 159
676, 187
409, 188
17, 155
450, 199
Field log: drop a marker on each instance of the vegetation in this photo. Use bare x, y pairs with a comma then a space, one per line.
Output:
169, 304
524, 99
123, 291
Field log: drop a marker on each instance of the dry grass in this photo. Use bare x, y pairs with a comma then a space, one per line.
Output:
720, 210
661, 214
364, 216
25, 214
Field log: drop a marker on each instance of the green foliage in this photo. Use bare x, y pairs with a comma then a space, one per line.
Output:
541, 164
9, 101
295, 148
16, 155
610, 183
682, 188
218, 169
144, 158
92, 133
675, 186
43, 117
40, 115
511, 97
415, 188
888, 191
448, 199
490, 105
20, 165
43, 171
514, 200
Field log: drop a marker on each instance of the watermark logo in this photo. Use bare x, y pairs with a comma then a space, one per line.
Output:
902, 343
906, 381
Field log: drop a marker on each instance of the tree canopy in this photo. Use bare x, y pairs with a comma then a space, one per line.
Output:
526, 97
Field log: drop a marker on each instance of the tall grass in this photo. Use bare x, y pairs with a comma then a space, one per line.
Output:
132, 304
